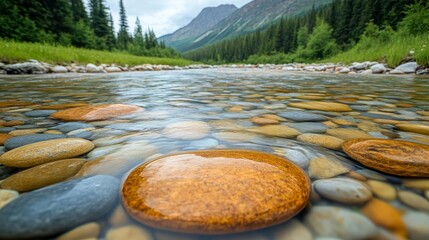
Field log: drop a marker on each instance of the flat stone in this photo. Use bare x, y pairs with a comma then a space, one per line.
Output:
322, 106
347, 134
113, 69
14, 103
59, 69
409, 67
293, 230
336, 222
129, 232
395, 157
6, 129
215, 192
63, 106
386, 216
422, 184
188, 130
417, 225
4, 137
414, 200
343, 190
47, 151
323, 168
89, 230
378, 68
95, 112
382, 190
55, 209
302, 116
309, 127
19, 141
321, 140
43, 175
39, 113
276, 131
7, 196
71, 126
27, 131
416, 128
263, 121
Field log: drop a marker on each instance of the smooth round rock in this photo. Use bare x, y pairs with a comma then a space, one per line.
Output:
395, 157
57, 208
321, 140
95, 112
343, 190
19, 141
47, 151
276, 131
347, 134
417, 224
43, 175
382, 190
302, 116
129, 232
6, 196
39, 113
323, 167
216, 192
4, 137
416, 128
293, 230
89, 230
414, 200
71, 126
339, 223
322, 106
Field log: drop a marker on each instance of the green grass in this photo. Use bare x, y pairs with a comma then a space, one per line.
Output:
17, 52
391, 52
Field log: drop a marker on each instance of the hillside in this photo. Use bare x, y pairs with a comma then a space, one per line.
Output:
252, 16
206, 19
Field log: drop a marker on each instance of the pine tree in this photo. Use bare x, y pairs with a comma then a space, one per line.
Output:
123, 35
78, 11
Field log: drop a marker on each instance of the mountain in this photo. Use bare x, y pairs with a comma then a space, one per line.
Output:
252, 16
206, 19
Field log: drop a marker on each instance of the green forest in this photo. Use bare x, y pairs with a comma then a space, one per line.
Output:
347, 30
69, 23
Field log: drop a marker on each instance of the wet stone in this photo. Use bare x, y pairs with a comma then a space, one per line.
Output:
293, 230
395, 157
31, 215
343, 190
89, 230
95, 112
417, 224
347, 134
129, 232
6, 196
71, 126
46, 151
188, 130
6, 129
4, 137
322, 106
323, 168
414, 200
308, 127
321, 140
19, 141
382, 190
39, 113
276, 131
302, 116
218, 184
416, 128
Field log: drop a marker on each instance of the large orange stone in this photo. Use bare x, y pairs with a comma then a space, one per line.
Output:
390, 156
216, 192
322, 106
95, 112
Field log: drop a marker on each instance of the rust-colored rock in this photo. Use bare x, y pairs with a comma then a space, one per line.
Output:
95, 112
395, 157
14, 103
216, 192
322, 106
4, 137
416, 128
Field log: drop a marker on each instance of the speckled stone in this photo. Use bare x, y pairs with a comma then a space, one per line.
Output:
390, 156
214, 192
43, 175
95, 112
52, 210
321, 140
47, 151
322, 106
343, 190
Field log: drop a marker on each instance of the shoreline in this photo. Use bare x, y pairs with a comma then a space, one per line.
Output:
32, 67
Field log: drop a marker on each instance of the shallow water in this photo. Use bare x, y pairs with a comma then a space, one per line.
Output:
227, 100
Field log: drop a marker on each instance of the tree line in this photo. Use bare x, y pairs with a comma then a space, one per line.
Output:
315, 35
69, 23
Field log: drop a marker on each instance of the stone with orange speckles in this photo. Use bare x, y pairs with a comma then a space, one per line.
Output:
395, 157
95, 112
215, 192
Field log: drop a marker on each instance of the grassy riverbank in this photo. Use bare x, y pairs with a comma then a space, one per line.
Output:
19, 52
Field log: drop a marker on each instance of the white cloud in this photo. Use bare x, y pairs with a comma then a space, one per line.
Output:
164, 16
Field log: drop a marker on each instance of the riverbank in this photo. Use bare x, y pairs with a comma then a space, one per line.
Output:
36, 67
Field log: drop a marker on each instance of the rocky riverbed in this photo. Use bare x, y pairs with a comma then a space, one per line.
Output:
67, 141
36, 67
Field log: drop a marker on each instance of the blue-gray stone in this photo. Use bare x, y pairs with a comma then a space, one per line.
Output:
7, 129
71, 126
141, 126
19, 141
308, 127
361, 108
55, 209
203, 144
39, 113
6, 171
302, 116
27, 126
381, 116
85, 135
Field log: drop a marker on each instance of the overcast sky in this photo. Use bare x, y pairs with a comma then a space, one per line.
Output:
164, 16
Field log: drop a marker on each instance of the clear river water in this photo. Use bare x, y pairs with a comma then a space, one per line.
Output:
235, 106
